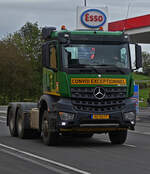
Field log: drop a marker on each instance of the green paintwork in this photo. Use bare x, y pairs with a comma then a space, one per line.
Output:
65, 81
50, 77
49, 80
55, 33
64, 84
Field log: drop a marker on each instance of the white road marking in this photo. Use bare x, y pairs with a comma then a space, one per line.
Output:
1, 121
3, 117
45, 159
141, 133
35, 162
129, 145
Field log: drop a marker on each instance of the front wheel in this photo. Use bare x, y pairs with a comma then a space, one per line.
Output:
118, 137
49, 134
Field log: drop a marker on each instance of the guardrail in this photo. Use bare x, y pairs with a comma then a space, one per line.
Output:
3, 110
3, 107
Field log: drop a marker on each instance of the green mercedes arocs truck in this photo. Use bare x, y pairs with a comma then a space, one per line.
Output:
87, 88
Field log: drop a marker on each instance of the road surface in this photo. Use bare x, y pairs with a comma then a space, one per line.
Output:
77, 156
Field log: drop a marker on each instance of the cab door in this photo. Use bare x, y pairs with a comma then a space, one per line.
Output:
49, 67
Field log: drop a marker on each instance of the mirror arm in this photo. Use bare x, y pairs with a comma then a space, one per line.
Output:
54, 69
134, 69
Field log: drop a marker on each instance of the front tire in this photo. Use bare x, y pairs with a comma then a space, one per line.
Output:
49, 134
118, 137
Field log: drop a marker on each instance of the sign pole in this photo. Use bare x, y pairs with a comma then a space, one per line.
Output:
85, 3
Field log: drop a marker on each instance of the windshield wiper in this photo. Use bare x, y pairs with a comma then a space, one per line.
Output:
77, 66
93, 67
113, 66
87, 67
103, 65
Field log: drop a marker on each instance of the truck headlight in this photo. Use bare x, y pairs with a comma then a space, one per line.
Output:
129, 116
64, 116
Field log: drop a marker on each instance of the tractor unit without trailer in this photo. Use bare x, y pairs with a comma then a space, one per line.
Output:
87, 88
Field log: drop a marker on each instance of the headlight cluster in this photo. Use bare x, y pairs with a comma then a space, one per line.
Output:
64, 116
129, 116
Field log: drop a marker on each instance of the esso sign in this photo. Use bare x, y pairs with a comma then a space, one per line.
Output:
89, 18
93, 18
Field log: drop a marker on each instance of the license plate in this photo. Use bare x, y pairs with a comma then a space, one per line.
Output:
100, 116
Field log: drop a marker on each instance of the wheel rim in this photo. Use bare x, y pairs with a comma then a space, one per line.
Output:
19, 125
11, 124
45, 127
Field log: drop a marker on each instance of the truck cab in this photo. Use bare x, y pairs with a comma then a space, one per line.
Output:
88, 74
87, 88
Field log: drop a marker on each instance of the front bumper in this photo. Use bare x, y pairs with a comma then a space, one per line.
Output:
83, 121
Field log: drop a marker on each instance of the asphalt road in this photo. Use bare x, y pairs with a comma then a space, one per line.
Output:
77, 156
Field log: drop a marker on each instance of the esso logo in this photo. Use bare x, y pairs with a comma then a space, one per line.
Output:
93, 18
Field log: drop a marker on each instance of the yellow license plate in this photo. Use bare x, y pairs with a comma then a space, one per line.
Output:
100, 116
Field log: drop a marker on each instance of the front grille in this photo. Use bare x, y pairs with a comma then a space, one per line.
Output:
83, 99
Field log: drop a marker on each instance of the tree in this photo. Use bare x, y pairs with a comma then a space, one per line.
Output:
28, 41
20, 60
15, 74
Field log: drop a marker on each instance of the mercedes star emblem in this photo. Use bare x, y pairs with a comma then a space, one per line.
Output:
99, 92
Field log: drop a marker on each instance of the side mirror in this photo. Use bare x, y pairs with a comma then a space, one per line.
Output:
47, 31
46, 55
138, 55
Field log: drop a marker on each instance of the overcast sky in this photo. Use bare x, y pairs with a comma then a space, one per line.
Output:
15, 13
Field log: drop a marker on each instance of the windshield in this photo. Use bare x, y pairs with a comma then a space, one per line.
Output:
79, 55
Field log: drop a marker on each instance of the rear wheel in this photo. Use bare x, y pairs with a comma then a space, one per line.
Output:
118, 137
12, 123
22, 132
49, 134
